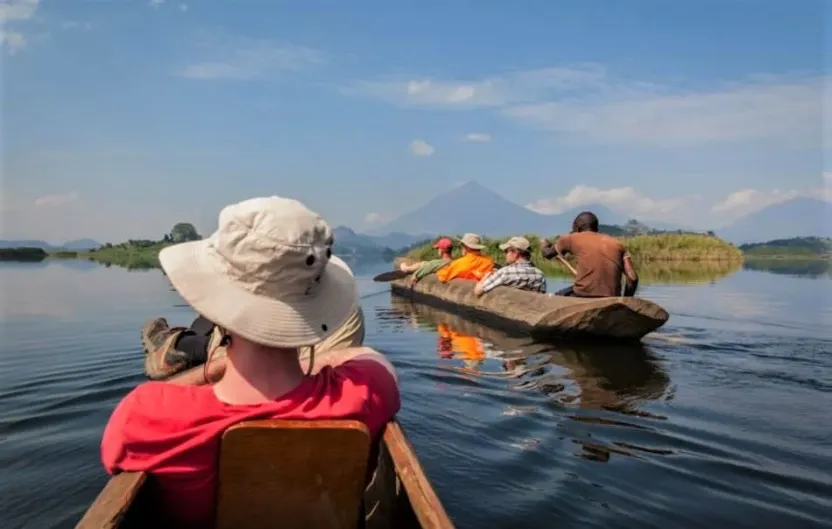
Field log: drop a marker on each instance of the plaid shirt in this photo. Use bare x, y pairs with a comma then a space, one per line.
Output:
522, 275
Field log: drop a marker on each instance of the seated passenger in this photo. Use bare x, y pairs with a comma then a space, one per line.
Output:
519, 273
472, 265
171, 350
420, 269
268, 280
601, 260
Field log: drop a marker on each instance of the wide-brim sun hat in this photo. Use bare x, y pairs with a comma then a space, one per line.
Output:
267, 274
472, 241
517, 243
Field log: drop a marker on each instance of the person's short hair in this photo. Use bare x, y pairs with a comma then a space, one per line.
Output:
585, 221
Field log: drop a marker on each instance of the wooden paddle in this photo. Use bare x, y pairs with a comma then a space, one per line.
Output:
392, 275
567, 265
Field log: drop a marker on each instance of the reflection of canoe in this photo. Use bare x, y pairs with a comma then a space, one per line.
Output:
541, 316
398, 494
610, 377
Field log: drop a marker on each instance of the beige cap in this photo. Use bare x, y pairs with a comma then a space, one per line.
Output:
517, 243
472, 241
267, 274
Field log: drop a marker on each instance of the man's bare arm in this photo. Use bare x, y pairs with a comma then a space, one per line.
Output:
411, 267
629, 269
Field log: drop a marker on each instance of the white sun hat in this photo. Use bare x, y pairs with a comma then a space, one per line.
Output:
266, 274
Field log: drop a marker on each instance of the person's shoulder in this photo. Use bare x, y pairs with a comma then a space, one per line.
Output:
595, 237
369, 378
368, 362
162, 399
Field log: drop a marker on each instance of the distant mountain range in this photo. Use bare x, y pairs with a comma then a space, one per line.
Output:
472, 207
799, 217
79, 244
346, 237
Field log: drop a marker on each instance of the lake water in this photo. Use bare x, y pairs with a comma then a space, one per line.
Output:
721, 421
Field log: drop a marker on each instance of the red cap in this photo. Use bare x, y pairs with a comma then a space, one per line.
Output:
444, 244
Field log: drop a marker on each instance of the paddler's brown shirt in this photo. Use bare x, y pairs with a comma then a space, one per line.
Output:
600, 261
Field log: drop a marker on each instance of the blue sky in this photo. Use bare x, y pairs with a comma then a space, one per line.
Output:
122, 117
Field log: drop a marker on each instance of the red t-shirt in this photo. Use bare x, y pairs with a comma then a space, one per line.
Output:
174, 431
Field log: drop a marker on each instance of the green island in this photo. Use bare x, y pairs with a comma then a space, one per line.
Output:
141, 254
790, 249
23, 254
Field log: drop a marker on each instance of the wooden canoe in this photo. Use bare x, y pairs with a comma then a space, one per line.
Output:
610, 376
541, 316
398, 495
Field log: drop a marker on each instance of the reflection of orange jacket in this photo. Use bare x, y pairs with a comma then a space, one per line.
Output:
469, 266
468, 347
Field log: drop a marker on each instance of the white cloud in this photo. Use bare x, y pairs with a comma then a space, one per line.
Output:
788, 110
489, 92
746, 201
624, 199
155, 3
183, 7
245, 58
375, 218
419, 147
13, 41
48, 201
18, 9
477, 137
587, 103
683, 210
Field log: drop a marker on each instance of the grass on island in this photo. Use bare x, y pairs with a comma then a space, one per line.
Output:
790, 249
132, 254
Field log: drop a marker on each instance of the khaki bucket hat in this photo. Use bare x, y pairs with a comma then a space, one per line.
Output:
472, 241
517, 243
267, 274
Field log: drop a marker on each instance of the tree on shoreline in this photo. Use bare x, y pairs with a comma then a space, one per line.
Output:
183, 232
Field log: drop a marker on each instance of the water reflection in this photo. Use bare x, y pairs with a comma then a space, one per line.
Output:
814, 268
591, 384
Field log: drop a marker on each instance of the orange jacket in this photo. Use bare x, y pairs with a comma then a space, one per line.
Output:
469, 266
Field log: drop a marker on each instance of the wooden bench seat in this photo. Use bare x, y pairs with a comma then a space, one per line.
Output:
300, 473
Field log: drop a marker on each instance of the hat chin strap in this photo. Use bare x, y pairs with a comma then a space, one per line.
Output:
311, 360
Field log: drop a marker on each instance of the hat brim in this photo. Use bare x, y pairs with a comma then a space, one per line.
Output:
472, 246
506, 246
193, 269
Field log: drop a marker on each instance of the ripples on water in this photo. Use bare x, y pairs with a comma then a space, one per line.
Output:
722, 421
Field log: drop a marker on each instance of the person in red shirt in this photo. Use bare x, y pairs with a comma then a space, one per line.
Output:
267, 278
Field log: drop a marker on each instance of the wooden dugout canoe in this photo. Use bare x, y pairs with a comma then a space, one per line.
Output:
397, 495
610, 376
542, 316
